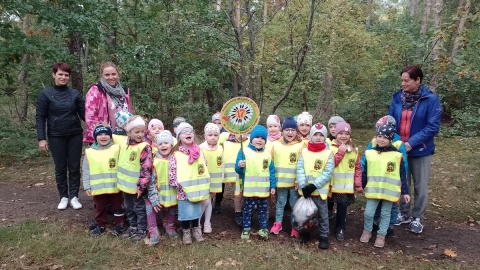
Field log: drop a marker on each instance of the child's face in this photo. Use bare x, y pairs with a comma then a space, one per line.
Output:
187, 136
219, 124
382, 141
137, 133
289, 134
164, 149
258, 142
155, 130
331, 128
304, 128
273, 129
211, 137
317, 138
343, 137
103, 139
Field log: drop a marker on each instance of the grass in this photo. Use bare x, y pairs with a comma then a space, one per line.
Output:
39, 245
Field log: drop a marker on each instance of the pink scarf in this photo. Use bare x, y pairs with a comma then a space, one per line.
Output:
274, 137
193, 152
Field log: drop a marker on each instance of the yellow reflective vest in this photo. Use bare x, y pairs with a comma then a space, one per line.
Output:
215, 168
256, 183
286, 159
119, 139
103, 165
383, 174
314, 163
129, 167
230, 152
194, 178
343, 175
166, 193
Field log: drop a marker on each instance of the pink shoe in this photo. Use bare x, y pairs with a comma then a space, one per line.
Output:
294, 233
276, 228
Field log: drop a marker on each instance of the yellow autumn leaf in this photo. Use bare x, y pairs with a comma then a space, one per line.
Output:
450, 253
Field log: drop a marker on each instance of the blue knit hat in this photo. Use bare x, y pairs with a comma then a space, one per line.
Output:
258, 131
289, 122
102, 129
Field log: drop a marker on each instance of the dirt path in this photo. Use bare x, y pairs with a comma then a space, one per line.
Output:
20, 202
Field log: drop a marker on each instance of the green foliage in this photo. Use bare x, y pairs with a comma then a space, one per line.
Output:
17, 140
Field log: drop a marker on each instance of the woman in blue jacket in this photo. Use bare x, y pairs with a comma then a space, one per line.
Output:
417, 111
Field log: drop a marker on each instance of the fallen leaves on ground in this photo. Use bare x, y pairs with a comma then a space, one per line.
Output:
450, 253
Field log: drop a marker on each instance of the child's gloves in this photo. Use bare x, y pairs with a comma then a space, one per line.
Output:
308, 190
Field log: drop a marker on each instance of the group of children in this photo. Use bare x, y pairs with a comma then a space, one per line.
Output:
143, 170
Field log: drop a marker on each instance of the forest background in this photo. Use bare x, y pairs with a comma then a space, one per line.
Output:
187, 58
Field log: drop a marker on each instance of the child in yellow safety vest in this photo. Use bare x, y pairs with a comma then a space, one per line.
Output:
99, 170
347, 176
119, 135
304, 123
134, 173
285, 153
314, 172
214, 155
332, 123
257, 172
160, 193
384, 178
274, 131
188, 172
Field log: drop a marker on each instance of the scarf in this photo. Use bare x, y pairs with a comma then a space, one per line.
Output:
117, 94
316, 147
410, 99
274, 137
193, 152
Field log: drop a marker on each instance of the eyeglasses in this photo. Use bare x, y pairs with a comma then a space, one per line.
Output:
289, 130
186, 131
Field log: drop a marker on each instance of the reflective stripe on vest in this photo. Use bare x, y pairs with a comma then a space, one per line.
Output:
166, 193
129, 167
314, 163
257, 173
343, 175
215, 168
230, 150
194, 178
103, 168
383, 174
286, 159
119, 139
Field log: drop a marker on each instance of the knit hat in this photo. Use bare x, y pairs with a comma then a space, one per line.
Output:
182, 126
121, 118
335, 120
273, 120
289, 122
258, 131
135, 123
387, 119
178, 120
342, 126
216, 116
304, 118
211, 127
164, 136
318, 127
386, 130
102, 129
155, 122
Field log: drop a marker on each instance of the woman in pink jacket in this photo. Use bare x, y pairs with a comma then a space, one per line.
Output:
104, 99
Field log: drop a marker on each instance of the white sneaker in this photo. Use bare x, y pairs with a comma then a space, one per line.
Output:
63, 204
75, 203
207, 228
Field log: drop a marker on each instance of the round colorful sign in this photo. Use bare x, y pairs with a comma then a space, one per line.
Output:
239, 115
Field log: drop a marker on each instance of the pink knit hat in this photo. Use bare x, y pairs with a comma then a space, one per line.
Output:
342, 126
155, 122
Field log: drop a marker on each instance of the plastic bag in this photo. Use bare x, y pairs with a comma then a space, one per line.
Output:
304, 213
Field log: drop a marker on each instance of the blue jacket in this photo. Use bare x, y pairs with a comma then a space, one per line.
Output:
425, 121
241, 171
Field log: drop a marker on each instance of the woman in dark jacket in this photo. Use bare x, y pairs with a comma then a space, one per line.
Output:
60, 109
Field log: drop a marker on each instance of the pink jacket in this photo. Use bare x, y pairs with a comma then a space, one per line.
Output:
96, 110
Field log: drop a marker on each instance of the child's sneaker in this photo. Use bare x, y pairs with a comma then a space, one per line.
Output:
340, 235
75, 203
218, 208
416, 226
118, 231
207, 228
63, 204
197, 234
263, 233
294, 233
130, 232
245, 234
139, 236
323, 244
187, 237
366, 235
238, 219
97, 231
401, 219
171, 232
276, 228
380, 241
92, 225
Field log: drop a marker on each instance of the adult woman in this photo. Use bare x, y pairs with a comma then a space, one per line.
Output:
104, 99
60, 108
418, 112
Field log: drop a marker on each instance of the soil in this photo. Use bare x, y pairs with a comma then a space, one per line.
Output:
37, 200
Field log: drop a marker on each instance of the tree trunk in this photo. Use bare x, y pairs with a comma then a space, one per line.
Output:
369, 11
22, 76
413, 7
324, 107
251, 50
437, 21
235, 83
75, 48
462, 13
237, 29
218, 5
426, 17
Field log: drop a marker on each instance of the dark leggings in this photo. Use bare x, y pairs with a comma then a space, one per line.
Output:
219, 196
186, 223
341, 215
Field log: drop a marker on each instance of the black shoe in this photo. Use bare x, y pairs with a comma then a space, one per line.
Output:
92, 225
390, 231
304, 237
97, 231
218, 208
238, 219
323, 244
139, 236
119, 230
340, 235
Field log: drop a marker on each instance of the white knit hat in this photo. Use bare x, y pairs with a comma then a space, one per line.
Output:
304, 118
211, 127
183, 126
164, 136
216, 116
318, 127
335, 119
273, 120
135, 123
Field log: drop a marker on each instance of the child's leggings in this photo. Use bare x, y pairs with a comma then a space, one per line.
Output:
384, 215
186, 223
341, 215
151, 220
207, 209
282, 196
262, 207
